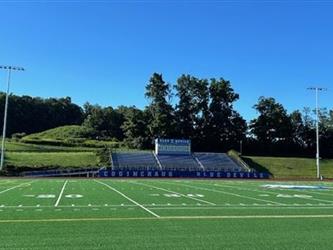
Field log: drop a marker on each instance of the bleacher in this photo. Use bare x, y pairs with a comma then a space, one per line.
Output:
217, 162
178, 162
134, 160
193, 162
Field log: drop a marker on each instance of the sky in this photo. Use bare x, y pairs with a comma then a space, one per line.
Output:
104, 52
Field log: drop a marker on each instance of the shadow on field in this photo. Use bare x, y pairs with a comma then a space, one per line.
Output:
259, 168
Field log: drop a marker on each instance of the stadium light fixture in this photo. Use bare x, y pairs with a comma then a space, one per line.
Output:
317, 89
9, 70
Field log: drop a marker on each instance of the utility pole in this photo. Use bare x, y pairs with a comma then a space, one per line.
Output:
9, 70
317, 89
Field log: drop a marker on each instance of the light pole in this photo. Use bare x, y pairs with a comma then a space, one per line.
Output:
317, 89
9, 71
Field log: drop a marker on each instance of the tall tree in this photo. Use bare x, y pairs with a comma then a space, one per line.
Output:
161, 111
106, 122
309, 132
273, 123
225, 124
298, 128
185, 110
135, 129
326, 132
29, 115
201, 110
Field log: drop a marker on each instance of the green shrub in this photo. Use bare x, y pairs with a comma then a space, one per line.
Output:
18, 136
47, 142
103, 155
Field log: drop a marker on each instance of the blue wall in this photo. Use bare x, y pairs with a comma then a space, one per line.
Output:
188, 174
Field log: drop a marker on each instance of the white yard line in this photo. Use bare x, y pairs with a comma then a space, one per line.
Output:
177, 206
251, 216
60, 195
173, 192
239, 208
128, 198
6, 190
323, 192
172, 218
227, 193
272, 192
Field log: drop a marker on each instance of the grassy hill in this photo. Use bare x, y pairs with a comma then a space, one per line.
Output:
13, 146
62, 147
61, 133
39, 160
26, 156
71, 135
288, 167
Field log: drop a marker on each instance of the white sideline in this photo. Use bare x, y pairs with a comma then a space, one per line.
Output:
228, 193
125, 196
177, 206
60, 195
6, 190
170, 191
222, 217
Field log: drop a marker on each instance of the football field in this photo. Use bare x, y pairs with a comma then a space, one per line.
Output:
164, 214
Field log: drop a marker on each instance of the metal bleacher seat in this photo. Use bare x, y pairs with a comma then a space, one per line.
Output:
139, 160
134, 160
217, 162
178, 162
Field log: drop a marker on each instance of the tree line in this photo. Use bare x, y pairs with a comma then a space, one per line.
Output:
204, 112
34, 114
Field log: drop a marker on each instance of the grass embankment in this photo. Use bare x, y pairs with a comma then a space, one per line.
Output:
288, 167
61, 133
52, 160
72, 135
62, 147
22, 156
12, 146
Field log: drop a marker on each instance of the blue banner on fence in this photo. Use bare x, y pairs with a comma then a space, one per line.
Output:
189, 174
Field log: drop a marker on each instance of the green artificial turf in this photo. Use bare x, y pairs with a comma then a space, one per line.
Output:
171, 234
163, 214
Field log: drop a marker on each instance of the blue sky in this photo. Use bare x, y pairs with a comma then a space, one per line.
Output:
105, 51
